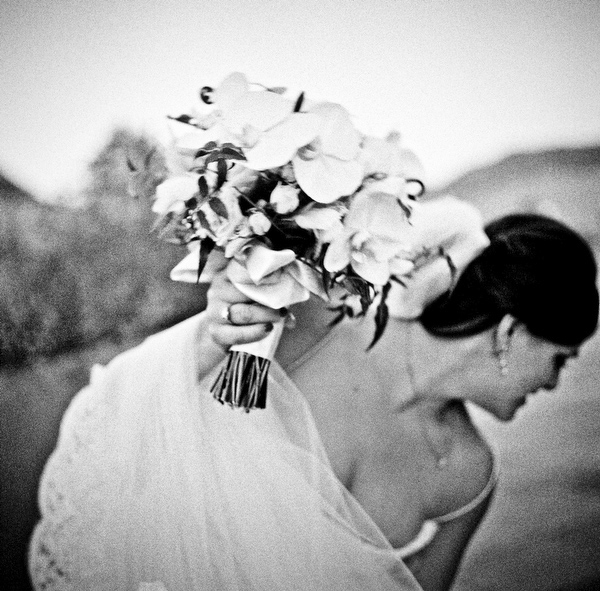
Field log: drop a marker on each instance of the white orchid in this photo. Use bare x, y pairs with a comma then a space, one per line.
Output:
172, 193
377, 238
327, 168
387, 157
263, 123
325, 221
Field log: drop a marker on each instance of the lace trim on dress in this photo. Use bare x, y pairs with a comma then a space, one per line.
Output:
61, 532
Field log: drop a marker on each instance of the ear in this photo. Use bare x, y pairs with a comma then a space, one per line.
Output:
504, 331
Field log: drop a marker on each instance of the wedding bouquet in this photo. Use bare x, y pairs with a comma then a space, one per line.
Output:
302, 203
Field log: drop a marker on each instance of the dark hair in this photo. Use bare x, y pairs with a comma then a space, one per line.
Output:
535, 268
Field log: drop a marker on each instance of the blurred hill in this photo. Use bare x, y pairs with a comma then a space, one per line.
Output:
562, 183
71, 276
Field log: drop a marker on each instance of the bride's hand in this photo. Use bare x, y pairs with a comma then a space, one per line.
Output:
233, 318
230, 318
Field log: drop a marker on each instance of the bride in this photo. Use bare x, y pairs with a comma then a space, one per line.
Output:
365, 470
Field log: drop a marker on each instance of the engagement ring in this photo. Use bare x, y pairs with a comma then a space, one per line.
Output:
226, 314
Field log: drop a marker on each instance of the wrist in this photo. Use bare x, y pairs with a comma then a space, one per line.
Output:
207, 352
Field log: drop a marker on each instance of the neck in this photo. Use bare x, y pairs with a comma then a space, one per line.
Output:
440, 369
313, 323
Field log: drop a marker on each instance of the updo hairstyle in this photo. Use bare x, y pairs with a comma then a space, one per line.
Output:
535, 268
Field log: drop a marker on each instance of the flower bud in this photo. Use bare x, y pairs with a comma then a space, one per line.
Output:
259, 223
284, 199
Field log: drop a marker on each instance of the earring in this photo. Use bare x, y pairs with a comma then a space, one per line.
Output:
503, 361
501, 353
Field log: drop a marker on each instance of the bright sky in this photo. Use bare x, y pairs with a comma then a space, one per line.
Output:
465, 81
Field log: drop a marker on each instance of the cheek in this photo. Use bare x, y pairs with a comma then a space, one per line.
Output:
534, 374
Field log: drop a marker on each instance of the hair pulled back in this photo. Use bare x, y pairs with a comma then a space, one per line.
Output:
535, 268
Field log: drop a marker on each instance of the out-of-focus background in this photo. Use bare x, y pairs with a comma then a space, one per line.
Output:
500, 100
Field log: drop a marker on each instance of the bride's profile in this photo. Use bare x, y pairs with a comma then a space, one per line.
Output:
362, 463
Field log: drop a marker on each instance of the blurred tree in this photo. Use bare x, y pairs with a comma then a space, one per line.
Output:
71, 276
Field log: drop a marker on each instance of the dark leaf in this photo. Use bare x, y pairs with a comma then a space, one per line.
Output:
201, 152
218, 207
221, 173
206, 247
203, 186
231, 154
299, 102
191, 203
381, 315
277, 89
183, 119
200, 217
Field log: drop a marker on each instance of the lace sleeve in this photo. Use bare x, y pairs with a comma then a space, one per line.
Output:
63, 489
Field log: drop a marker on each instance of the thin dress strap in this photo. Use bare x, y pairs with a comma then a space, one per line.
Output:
480, 498
430, 527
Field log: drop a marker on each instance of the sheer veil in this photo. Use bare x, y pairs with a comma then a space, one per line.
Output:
152, 480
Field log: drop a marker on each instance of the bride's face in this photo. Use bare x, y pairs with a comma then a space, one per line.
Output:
533, 365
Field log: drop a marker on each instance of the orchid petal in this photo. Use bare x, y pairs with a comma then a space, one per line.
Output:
262, 261
230, 90
385, 156
278, 146
377, 273
400, 267
379, 213
308, 277
326, 179
337, 256
261, 110
408, 165
275, 290
338, 135
321, 218
174, 189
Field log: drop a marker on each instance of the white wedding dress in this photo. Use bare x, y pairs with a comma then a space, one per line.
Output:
153, 481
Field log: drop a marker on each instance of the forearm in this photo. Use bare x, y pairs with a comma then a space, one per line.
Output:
208, 354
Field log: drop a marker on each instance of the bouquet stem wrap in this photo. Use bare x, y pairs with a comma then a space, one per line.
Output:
273, 278
242, 381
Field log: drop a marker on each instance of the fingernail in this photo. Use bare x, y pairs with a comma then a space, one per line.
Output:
268, 327
290, 321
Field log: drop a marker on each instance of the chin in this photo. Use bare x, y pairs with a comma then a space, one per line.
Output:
507, 414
